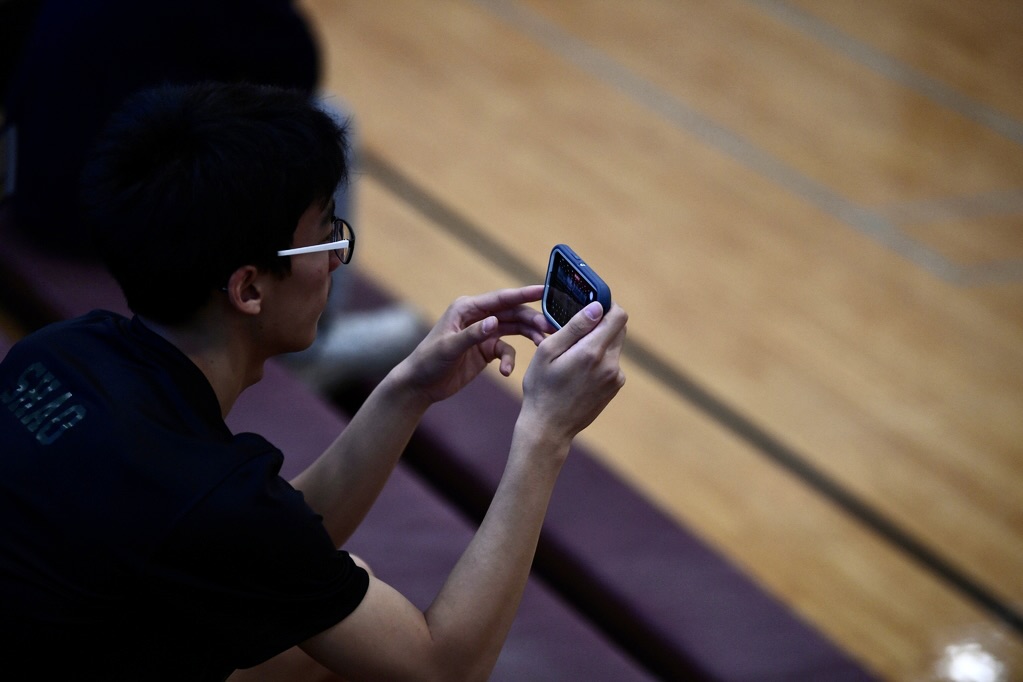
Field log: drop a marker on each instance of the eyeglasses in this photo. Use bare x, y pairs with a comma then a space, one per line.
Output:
342, 242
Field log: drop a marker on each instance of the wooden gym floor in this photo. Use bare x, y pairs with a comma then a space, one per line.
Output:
813, 212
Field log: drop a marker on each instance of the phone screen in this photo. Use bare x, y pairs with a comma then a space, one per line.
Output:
569, 291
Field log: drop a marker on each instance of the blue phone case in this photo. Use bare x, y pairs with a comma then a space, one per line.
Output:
570, 286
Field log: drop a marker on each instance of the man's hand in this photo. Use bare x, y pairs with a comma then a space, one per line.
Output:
468, 337
575, 373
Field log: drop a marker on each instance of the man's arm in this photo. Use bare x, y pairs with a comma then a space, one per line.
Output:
573, 376
343, 483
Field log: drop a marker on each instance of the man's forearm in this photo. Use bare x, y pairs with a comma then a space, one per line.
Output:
477, 605
460, 635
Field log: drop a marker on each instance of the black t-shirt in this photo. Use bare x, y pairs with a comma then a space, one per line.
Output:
140, 539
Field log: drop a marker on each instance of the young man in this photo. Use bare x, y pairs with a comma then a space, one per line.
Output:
141, 539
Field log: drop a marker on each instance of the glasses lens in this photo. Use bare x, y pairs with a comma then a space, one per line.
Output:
342, 230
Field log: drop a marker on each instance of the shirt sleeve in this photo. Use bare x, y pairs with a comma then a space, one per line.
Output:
252, 568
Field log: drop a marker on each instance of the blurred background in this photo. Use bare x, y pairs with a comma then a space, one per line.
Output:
813, 212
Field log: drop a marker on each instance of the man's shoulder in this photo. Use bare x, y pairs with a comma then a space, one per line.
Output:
100, 384
96, 324
39, 371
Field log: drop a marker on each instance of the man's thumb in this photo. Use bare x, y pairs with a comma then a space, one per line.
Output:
586, 319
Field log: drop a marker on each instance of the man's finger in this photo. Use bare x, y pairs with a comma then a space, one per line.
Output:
581, 324
503, 299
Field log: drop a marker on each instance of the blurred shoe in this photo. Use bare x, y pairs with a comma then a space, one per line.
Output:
359, 346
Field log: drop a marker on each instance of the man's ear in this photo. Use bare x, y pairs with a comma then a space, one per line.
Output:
245, 289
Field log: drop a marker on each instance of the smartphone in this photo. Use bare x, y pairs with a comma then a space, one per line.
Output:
571, 285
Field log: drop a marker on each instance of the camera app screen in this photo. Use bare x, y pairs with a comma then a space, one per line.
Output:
568, 293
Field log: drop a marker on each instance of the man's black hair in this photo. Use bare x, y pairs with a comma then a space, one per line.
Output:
188, 183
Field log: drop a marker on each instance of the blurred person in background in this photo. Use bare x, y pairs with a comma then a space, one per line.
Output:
68, 66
